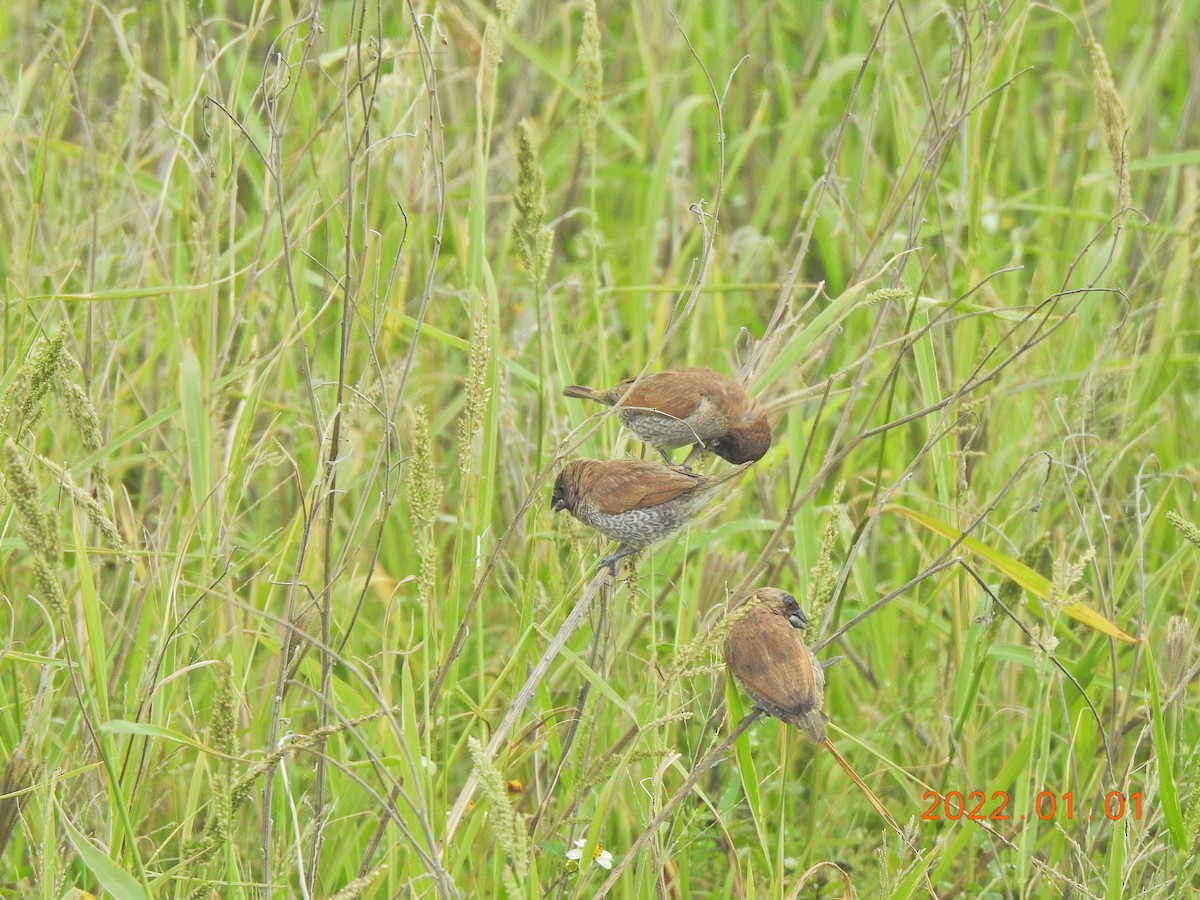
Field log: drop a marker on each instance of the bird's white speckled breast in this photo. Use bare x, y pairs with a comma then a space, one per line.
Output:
658, 430
666, 432
637, 527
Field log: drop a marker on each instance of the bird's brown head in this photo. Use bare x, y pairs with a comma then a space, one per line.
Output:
566, 486
780, 603
747, 441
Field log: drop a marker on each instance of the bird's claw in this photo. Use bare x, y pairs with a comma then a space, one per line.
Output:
613, 561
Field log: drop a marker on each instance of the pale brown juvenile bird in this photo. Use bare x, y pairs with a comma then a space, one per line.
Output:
679, 407
766, 652
634, 501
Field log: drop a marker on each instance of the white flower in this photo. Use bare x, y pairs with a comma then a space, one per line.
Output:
601, 857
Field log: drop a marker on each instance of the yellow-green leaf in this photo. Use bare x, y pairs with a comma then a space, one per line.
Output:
1017, 571
111, 876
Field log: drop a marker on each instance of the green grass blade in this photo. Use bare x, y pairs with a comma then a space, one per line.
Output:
111, 876
1167, 791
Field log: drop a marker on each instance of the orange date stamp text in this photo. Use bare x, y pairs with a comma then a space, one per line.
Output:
977, 806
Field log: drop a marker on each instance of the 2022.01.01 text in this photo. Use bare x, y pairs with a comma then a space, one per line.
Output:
1046, 806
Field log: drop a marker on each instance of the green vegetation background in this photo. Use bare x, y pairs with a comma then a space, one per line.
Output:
277, 551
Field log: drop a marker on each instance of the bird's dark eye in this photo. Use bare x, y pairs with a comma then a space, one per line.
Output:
795, 614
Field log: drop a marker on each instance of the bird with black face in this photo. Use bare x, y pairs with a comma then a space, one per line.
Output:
680, 407
765, 651
635, 502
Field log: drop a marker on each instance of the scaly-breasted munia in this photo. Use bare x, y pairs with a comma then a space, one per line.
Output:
765, 651
634, 501
679, 407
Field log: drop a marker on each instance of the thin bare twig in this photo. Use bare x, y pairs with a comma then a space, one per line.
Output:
525, 694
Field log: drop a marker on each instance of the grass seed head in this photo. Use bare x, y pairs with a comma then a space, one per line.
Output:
591, 67
39, 527
26, 396
1185, 527
1179, 650
1114, 118
534, 239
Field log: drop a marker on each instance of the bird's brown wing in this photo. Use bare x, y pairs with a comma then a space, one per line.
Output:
675, 393
769, 657
636, 485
